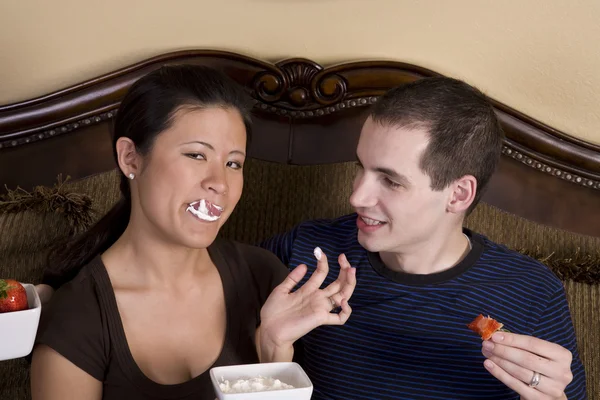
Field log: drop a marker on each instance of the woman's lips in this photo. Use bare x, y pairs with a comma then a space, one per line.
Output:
205, 210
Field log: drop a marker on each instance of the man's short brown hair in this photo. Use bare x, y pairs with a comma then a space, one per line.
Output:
464, 131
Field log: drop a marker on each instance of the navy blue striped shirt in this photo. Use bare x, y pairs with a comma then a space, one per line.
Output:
407, 336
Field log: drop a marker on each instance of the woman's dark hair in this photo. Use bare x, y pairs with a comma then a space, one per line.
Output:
146, 110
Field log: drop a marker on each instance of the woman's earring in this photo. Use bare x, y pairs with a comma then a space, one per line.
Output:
131, 176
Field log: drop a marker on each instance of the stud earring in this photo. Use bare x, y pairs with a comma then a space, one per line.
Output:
131, 176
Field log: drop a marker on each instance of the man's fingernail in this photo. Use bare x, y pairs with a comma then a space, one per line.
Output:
498, 337
488, 364
488, 345
318, 253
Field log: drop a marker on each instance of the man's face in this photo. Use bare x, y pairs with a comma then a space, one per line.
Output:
397, 208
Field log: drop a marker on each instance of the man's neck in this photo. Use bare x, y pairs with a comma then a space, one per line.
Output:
429, 257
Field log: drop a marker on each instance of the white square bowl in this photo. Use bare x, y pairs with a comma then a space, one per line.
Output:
19, 328
287, 372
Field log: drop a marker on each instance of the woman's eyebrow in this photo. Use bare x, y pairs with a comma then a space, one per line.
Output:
210, 146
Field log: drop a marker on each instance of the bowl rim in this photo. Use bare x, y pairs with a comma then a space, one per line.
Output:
292, 363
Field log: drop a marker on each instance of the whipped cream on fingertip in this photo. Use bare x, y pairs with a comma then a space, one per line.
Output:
318, 253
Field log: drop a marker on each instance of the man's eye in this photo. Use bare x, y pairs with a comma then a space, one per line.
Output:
391, 184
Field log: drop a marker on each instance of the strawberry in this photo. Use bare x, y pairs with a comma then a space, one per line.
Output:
13, 296
485, 326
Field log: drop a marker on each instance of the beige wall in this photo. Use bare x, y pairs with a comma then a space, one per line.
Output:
538, 56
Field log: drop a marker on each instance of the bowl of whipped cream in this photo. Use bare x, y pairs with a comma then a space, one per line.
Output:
280, 380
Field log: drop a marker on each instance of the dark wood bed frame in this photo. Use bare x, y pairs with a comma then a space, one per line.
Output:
304, 114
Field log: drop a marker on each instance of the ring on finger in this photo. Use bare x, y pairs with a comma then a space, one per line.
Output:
535, 379
333, 303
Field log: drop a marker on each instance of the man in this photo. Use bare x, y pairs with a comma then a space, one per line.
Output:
425, 156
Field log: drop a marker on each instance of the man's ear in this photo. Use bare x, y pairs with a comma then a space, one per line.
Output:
128, 157
462, 194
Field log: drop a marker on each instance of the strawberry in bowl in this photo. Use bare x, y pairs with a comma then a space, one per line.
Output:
13, 296
20, 309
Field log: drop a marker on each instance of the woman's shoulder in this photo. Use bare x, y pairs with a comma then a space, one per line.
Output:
254, 256
83, 286
266, 269
73, 323
76, 303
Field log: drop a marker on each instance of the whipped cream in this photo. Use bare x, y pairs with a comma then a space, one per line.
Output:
201, 210
318, 253
258, 384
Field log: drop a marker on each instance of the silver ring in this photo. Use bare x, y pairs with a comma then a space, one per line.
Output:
535, 379
333, 303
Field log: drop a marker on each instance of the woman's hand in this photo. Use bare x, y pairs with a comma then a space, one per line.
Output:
45, 292
287, 316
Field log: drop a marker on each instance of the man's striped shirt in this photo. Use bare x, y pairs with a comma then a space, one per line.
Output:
407, 337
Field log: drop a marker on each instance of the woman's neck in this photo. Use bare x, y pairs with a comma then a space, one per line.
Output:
144, 260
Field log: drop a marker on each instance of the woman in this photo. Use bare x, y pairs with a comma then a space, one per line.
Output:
160, 300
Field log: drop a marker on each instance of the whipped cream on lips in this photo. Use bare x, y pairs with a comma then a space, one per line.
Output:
205, 210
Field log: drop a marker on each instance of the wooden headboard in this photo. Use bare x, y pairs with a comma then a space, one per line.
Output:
304, 114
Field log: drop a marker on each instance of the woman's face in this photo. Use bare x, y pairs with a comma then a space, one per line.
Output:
192, 179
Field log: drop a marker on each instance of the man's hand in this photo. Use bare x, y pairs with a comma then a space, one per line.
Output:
513, 359
287, 316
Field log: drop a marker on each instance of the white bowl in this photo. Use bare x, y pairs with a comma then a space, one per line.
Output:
287, 372
18, 328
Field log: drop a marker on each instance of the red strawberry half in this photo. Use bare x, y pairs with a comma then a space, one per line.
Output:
13, 296
485, 326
